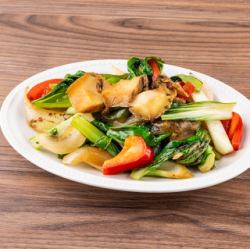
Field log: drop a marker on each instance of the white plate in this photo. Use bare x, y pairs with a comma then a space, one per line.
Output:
17, 132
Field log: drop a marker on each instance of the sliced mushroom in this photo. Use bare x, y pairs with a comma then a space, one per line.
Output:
40, 119
93, 156
179, 129
162, 80
151, 104
122, 93
83, 93
67, 142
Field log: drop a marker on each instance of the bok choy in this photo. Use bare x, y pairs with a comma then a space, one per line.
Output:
216, 130
94, 135
112, 79
137, 66
57, 98
184, 151
188, 78
120, 134
200, 111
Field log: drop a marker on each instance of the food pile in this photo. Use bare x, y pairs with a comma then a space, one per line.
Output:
141, 121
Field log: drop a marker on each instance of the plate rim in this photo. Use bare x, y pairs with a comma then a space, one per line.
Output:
109, 183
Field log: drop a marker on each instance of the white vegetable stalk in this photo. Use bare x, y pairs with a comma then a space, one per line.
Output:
204, 110
218, 134
117, 71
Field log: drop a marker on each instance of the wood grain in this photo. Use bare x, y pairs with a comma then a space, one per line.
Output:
39, 210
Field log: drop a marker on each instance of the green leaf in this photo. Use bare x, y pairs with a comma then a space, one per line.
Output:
58, 98
138, 67
188, 78
112, 79
160, 62
200, 111
100, 125
94, 135
189, 150
121, 133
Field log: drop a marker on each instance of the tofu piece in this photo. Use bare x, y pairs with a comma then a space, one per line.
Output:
122, 93
83, 94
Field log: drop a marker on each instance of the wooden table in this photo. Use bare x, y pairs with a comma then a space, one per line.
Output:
40, 210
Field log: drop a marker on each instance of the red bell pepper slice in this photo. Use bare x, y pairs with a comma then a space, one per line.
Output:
189, 88
181, 83
237, 136
134, 154
156, 71
185, 90
226, 124
236, 119
235, 131
41, 89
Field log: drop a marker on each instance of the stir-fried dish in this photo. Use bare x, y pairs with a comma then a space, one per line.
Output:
141, 121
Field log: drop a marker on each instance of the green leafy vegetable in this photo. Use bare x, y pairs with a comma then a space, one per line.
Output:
200, 111
58, 98
137, 66
194, 152
216, 130
171, 169
102, 126
94, 135
158, 60
188, 78
120, 134
112, 79
180, 151
59, 129
209, 160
